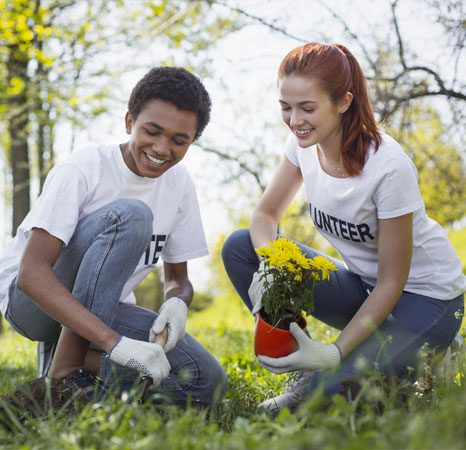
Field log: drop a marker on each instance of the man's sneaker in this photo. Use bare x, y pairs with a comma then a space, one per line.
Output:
293, 395
38, 397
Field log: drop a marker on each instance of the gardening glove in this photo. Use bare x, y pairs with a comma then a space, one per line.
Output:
144, 356
173, 314
257, 288
310, 356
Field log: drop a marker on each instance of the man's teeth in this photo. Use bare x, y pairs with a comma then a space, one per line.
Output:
155, 160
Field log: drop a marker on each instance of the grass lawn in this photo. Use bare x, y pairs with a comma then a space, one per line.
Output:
433, 419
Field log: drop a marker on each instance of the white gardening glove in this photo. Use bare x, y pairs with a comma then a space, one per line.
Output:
311, 355
173, 314
143, 356
257, 288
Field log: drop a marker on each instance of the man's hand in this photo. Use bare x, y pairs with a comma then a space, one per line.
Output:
143, 356
311, 355
257, 288
173, 314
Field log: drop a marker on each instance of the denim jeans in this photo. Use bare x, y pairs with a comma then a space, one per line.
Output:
100, 257
393, 349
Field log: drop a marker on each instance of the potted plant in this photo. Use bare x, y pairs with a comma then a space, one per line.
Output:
289, 279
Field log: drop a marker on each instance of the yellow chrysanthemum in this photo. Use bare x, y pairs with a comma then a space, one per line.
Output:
284, 254
324, 265
298, 277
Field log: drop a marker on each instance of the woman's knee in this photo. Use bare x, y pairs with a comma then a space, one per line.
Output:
239, 239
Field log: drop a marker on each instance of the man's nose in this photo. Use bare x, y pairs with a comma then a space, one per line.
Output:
161, 147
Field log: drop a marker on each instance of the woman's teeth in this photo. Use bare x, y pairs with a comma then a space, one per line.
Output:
303, 132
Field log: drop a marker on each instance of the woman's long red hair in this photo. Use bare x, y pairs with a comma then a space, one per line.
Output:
338, 72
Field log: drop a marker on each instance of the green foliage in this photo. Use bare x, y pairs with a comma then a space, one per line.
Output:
394, 415
149, 293
72, 52
458, 240
284, 299
384, 415
442, 171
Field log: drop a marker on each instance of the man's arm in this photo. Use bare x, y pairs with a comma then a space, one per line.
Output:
177, 283
37, 279
173, 314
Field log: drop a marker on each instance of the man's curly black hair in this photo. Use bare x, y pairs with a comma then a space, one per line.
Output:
175, 85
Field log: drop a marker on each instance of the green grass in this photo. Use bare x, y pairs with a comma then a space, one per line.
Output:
432, 419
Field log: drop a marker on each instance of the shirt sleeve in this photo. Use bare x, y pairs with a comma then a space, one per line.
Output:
187, 239
58, 207
291, 150
397, 191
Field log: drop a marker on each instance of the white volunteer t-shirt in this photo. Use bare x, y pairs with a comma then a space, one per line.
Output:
92, 178
346, 213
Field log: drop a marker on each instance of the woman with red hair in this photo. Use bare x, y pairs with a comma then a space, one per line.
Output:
400, 284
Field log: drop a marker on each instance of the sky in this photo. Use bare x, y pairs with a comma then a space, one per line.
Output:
243, 91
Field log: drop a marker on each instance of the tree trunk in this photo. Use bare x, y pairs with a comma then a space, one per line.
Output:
18, 127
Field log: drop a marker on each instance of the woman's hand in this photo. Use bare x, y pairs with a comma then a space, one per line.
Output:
311, 355
257, 288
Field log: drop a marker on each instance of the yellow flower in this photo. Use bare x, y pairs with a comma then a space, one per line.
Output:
315, 276
298, 277
289, 292
283, 252
324, 265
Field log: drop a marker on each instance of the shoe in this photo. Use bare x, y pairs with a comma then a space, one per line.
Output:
293, 395
38, 397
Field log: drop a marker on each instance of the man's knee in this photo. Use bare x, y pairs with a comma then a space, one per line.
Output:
137, 214
217, 383
133, 209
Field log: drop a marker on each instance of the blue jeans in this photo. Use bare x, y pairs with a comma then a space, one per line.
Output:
414, 321
100, 257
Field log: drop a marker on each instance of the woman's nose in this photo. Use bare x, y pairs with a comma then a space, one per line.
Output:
295, 118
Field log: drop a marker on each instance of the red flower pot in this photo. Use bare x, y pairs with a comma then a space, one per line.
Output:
274, 342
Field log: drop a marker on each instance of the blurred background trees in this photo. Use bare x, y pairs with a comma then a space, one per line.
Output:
66, 67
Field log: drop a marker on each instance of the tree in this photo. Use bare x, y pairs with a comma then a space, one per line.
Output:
401, 83
56, 67
442, 173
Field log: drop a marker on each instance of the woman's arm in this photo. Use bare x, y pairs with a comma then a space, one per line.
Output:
273, 203
37, 279
395, 251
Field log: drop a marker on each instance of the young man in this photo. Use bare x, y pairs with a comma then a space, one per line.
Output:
103, 220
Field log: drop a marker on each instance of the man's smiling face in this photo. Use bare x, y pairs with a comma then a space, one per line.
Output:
160, 137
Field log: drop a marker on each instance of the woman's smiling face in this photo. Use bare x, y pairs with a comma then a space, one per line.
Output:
160, 138
309, 112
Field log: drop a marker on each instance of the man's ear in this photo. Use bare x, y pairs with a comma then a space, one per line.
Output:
345, 102
128, 122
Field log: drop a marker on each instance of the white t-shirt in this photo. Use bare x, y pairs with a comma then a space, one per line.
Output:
92, 178
346, 213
